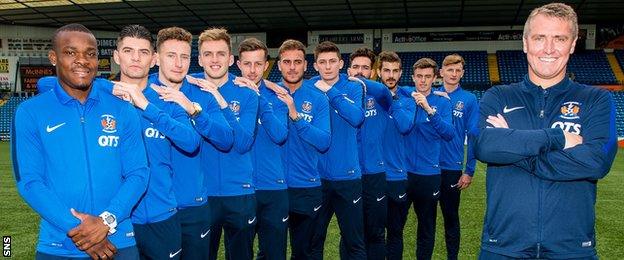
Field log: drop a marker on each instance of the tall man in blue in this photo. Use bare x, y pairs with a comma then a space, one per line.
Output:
165, 124
173, 45
432, 126
78, 153
399, 123
465, 115
339, 166
547, 141
229, 172
370, 152
269, 178
308, 136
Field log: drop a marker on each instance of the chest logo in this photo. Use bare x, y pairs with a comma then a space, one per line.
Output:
459, 106
306, 107
109, 124
235, 106
570, 110
370, 103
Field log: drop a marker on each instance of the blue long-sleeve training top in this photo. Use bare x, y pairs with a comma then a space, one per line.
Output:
188, 179
424, 140
89, 157
307, 138
465, 110
341, 162
164, 124
540, 196
399, 122
229, 172
272, 131
376, 105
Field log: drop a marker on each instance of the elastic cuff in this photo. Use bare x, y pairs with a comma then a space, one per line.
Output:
556, 139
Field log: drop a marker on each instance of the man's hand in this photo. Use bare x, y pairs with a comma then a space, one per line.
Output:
174, 95
247, 83
275, 88
210, 88
132, 91
102, 250
571, 139
497, 121
290, 103
90, 232
322, 86
464, 181
421, 100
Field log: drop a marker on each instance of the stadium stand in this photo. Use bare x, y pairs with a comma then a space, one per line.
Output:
588, 67
619, 54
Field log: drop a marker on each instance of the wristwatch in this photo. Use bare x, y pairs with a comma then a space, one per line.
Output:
110, 220
198, 109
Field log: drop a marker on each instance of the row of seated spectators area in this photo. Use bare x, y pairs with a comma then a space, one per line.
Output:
588, 67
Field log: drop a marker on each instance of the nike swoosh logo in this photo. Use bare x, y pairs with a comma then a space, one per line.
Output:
356, 201
171, 255
50, 129
436, 193
317, 207
284, 219
251, 220
202, 235
382, 197
507, 110
403, 195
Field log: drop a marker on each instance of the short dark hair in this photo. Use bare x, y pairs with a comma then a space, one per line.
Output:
363, 52
135, 31
291, 45
425, 63
72, 27
324, 47
252, 44
173, 33
388, 56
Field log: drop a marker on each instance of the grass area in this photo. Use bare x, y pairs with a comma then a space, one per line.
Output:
21, 223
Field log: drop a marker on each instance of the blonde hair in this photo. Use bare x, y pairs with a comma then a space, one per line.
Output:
215, 34
554, 10
453, 59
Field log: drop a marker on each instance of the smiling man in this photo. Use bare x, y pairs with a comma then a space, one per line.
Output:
547, 141
78, 157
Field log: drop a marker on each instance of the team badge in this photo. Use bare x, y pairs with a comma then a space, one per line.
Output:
235, 106
570, 110
109, 124
306, 106
370, 103
459, 106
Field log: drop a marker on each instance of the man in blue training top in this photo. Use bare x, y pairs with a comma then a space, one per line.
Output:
399, 123
465, 109
229, 172
268, 178
547, 141
370, 154
339, 166
308, 136
165, 124
432, 125
173, 45
78, 153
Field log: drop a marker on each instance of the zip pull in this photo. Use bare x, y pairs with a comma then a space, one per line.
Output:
82, 120
541, 113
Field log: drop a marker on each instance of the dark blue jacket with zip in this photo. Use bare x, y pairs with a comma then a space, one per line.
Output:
540, 196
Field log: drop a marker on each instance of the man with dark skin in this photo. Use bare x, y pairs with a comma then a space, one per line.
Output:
54, 183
